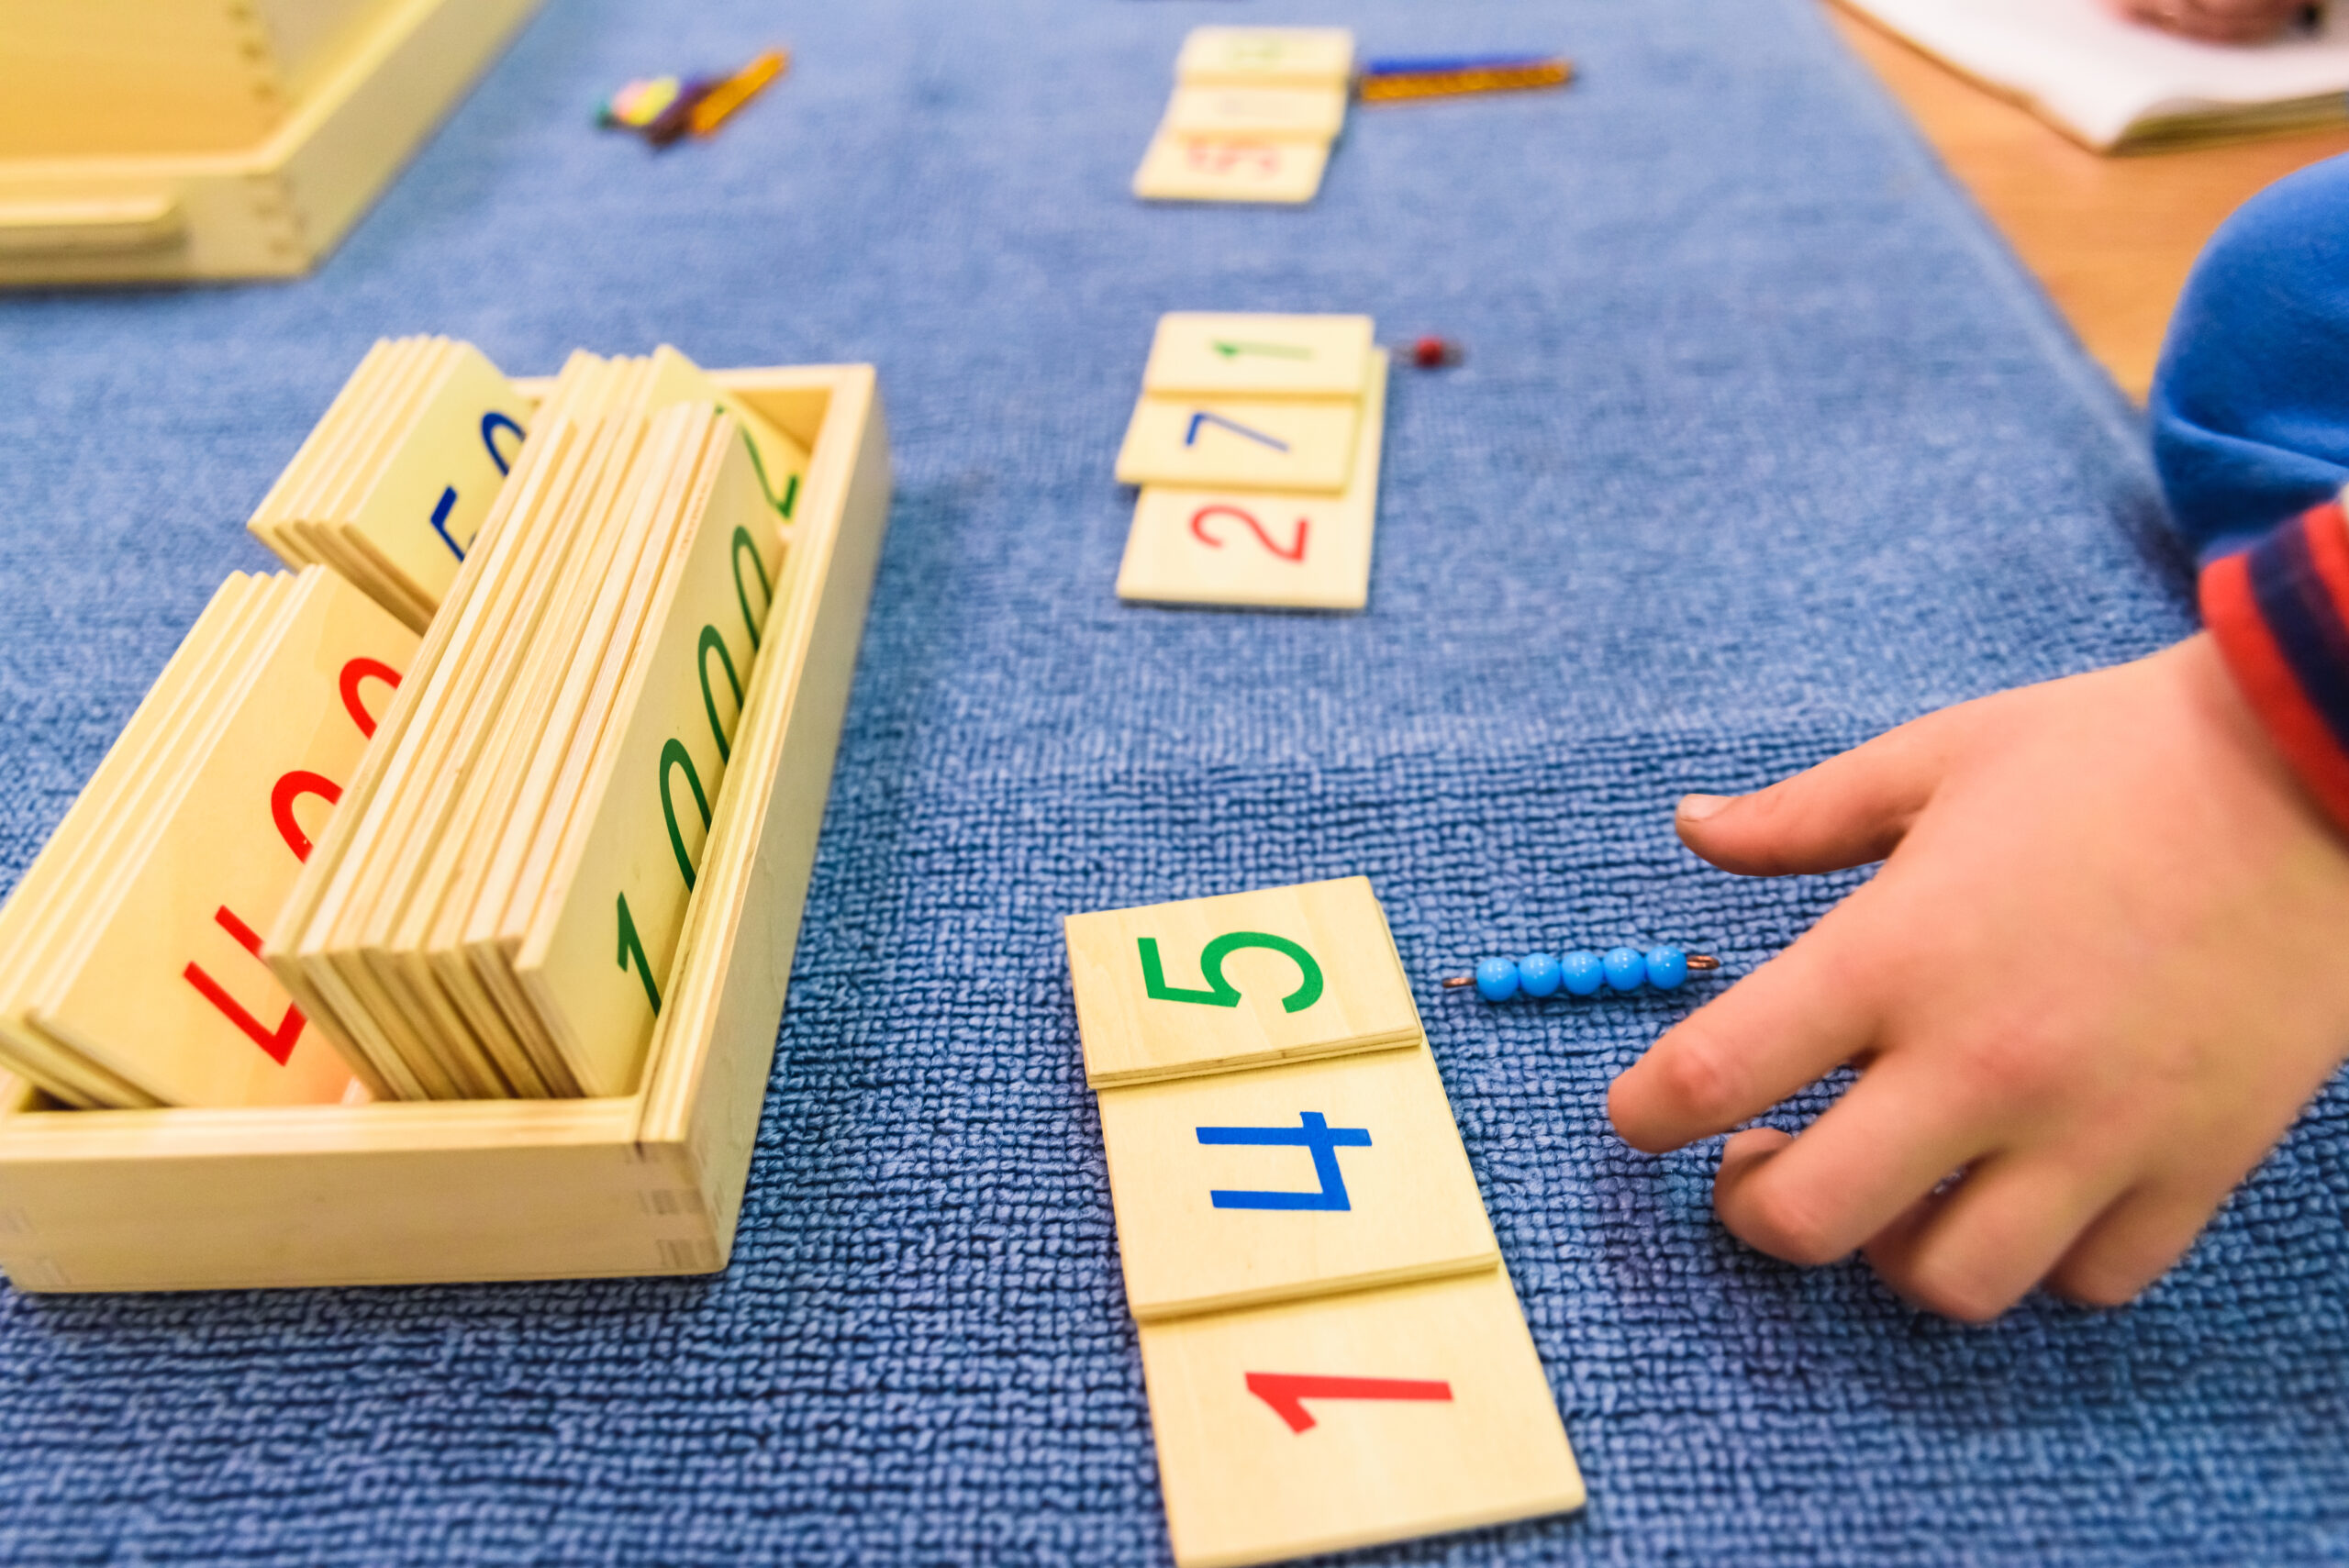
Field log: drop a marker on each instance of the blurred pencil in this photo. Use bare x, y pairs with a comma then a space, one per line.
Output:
716, 105
1391, 81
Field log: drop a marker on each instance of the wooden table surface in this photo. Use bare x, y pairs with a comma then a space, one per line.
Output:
2111, 238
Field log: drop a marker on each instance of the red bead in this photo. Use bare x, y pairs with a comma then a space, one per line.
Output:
1431, 353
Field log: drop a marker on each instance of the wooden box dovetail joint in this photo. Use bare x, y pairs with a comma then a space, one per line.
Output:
417, 1193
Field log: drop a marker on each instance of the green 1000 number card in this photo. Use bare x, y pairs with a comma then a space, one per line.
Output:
599, 951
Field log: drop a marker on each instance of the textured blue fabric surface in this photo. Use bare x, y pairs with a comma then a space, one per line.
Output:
1760, 446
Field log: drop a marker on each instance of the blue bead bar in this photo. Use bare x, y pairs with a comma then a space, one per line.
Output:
1584, 973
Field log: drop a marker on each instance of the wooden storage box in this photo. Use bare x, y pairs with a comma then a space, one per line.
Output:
520, 1189
145, 140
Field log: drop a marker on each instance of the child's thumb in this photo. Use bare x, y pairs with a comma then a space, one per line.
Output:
1847, 811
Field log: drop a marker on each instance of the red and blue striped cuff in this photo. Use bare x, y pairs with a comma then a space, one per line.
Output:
2280, 613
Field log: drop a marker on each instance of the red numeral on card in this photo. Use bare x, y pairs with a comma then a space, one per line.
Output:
278, 1043
1286, 1391
358, 670
291, 788
1296, 551
1223, 157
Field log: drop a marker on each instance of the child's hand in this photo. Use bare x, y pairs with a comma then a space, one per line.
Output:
2103, 970
2213, 21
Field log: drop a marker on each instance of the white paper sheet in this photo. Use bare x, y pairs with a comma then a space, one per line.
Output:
2096, 75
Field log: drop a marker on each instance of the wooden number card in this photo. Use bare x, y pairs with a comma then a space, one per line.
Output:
1246, 444
1250, 1187
50, 902
391, 487
1266, 56
1245, 979
1200, 354
1309, 113
1321, 1424
595, 957
1234, 547
779, 462
159, 983
1230, 168
434, 487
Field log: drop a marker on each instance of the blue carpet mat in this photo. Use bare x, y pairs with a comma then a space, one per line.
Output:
1762, 446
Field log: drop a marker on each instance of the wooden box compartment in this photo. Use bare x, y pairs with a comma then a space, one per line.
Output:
414, 1193
180, 170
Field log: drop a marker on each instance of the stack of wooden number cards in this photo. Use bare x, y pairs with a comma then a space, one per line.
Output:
537, 801
1334, 1353
1256, 443
383, 823
1253, 116
129, 966
423, 432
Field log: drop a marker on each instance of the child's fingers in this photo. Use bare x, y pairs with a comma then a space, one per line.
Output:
2133, 1243
1851, 1173
1746, 1151
1847, 811
1987, 1241
1906, 1226
1788, 1024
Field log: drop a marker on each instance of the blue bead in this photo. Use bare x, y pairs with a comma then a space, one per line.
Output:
1497, 979
1667, 967
1538, 972
1626, 969
1582, 973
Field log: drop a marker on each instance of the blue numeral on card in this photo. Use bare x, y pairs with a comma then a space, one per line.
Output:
1191, 436
491, 423
441, 520
1313, 1133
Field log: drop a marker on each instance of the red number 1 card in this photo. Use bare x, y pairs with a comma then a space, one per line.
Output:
1321, 1424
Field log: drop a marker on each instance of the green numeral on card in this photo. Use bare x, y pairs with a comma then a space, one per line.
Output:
1219, 992
742, 542
713, 643
674, 755
782, 503
632, 946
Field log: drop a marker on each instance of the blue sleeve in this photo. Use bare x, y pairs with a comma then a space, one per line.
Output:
2250, 404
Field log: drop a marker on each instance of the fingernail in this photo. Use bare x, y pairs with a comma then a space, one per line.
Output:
1697, 807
